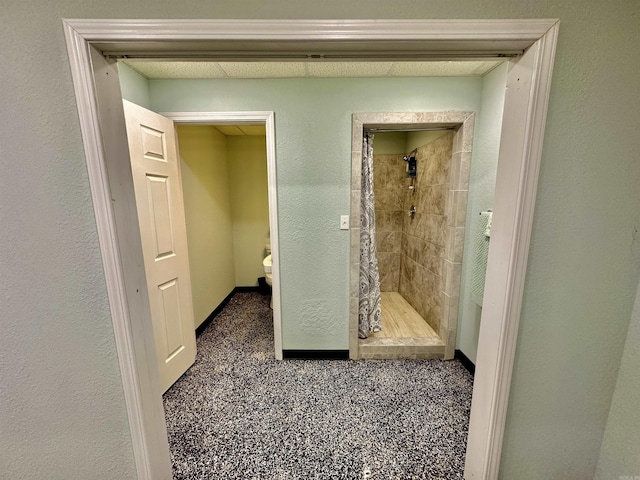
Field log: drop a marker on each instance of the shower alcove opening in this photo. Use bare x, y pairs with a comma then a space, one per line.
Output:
419, 256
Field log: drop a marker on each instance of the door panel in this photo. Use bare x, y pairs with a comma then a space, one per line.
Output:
172, 334
160, 207
153, 144
158, 189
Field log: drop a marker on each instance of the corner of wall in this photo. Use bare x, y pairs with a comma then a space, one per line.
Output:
134, 86
482, 180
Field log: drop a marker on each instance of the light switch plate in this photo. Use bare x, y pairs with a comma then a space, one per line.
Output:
344, 222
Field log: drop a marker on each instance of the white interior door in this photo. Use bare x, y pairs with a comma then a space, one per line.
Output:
158, 190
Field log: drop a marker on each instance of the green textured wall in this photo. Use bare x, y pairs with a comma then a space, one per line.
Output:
61, 398
134, 86
619, 459
482, 182
313, 151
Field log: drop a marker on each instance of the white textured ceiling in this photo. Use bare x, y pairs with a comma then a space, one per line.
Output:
205, 69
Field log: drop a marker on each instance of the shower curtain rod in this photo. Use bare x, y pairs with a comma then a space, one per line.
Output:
389, 130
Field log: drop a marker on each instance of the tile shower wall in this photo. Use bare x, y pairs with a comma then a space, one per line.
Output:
448, 239
424, 236
388, 190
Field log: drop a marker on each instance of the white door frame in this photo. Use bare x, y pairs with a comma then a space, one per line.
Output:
102, 124
268, 120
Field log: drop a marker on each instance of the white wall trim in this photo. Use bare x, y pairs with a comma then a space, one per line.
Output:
220, 118
93, 29
268, 120
296, 38
80, 60
522, 135
525, 111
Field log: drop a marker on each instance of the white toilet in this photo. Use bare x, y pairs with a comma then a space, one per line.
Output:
266, 263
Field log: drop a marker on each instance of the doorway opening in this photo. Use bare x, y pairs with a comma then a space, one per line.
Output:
420, 231
252, 201
97, 93
202, 195
225, 191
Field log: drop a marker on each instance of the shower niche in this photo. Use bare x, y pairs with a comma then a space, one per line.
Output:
420, 213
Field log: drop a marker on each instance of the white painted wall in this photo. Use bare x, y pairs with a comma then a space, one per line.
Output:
61, 398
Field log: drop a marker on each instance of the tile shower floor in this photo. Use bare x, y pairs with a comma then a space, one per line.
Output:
405, 334
400, 320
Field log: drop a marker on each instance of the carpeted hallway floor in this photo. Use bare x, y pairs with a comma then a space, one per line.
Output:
240, 414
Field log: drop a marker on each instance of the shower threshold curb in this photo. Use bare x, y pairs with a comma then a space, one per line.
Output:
396, 348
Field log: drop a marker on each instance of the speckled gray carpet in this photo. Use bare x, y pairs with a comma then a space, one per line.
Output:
240, 414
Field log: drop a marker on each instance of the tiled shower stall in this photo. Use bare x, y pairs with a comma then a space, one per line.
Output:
419, 256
